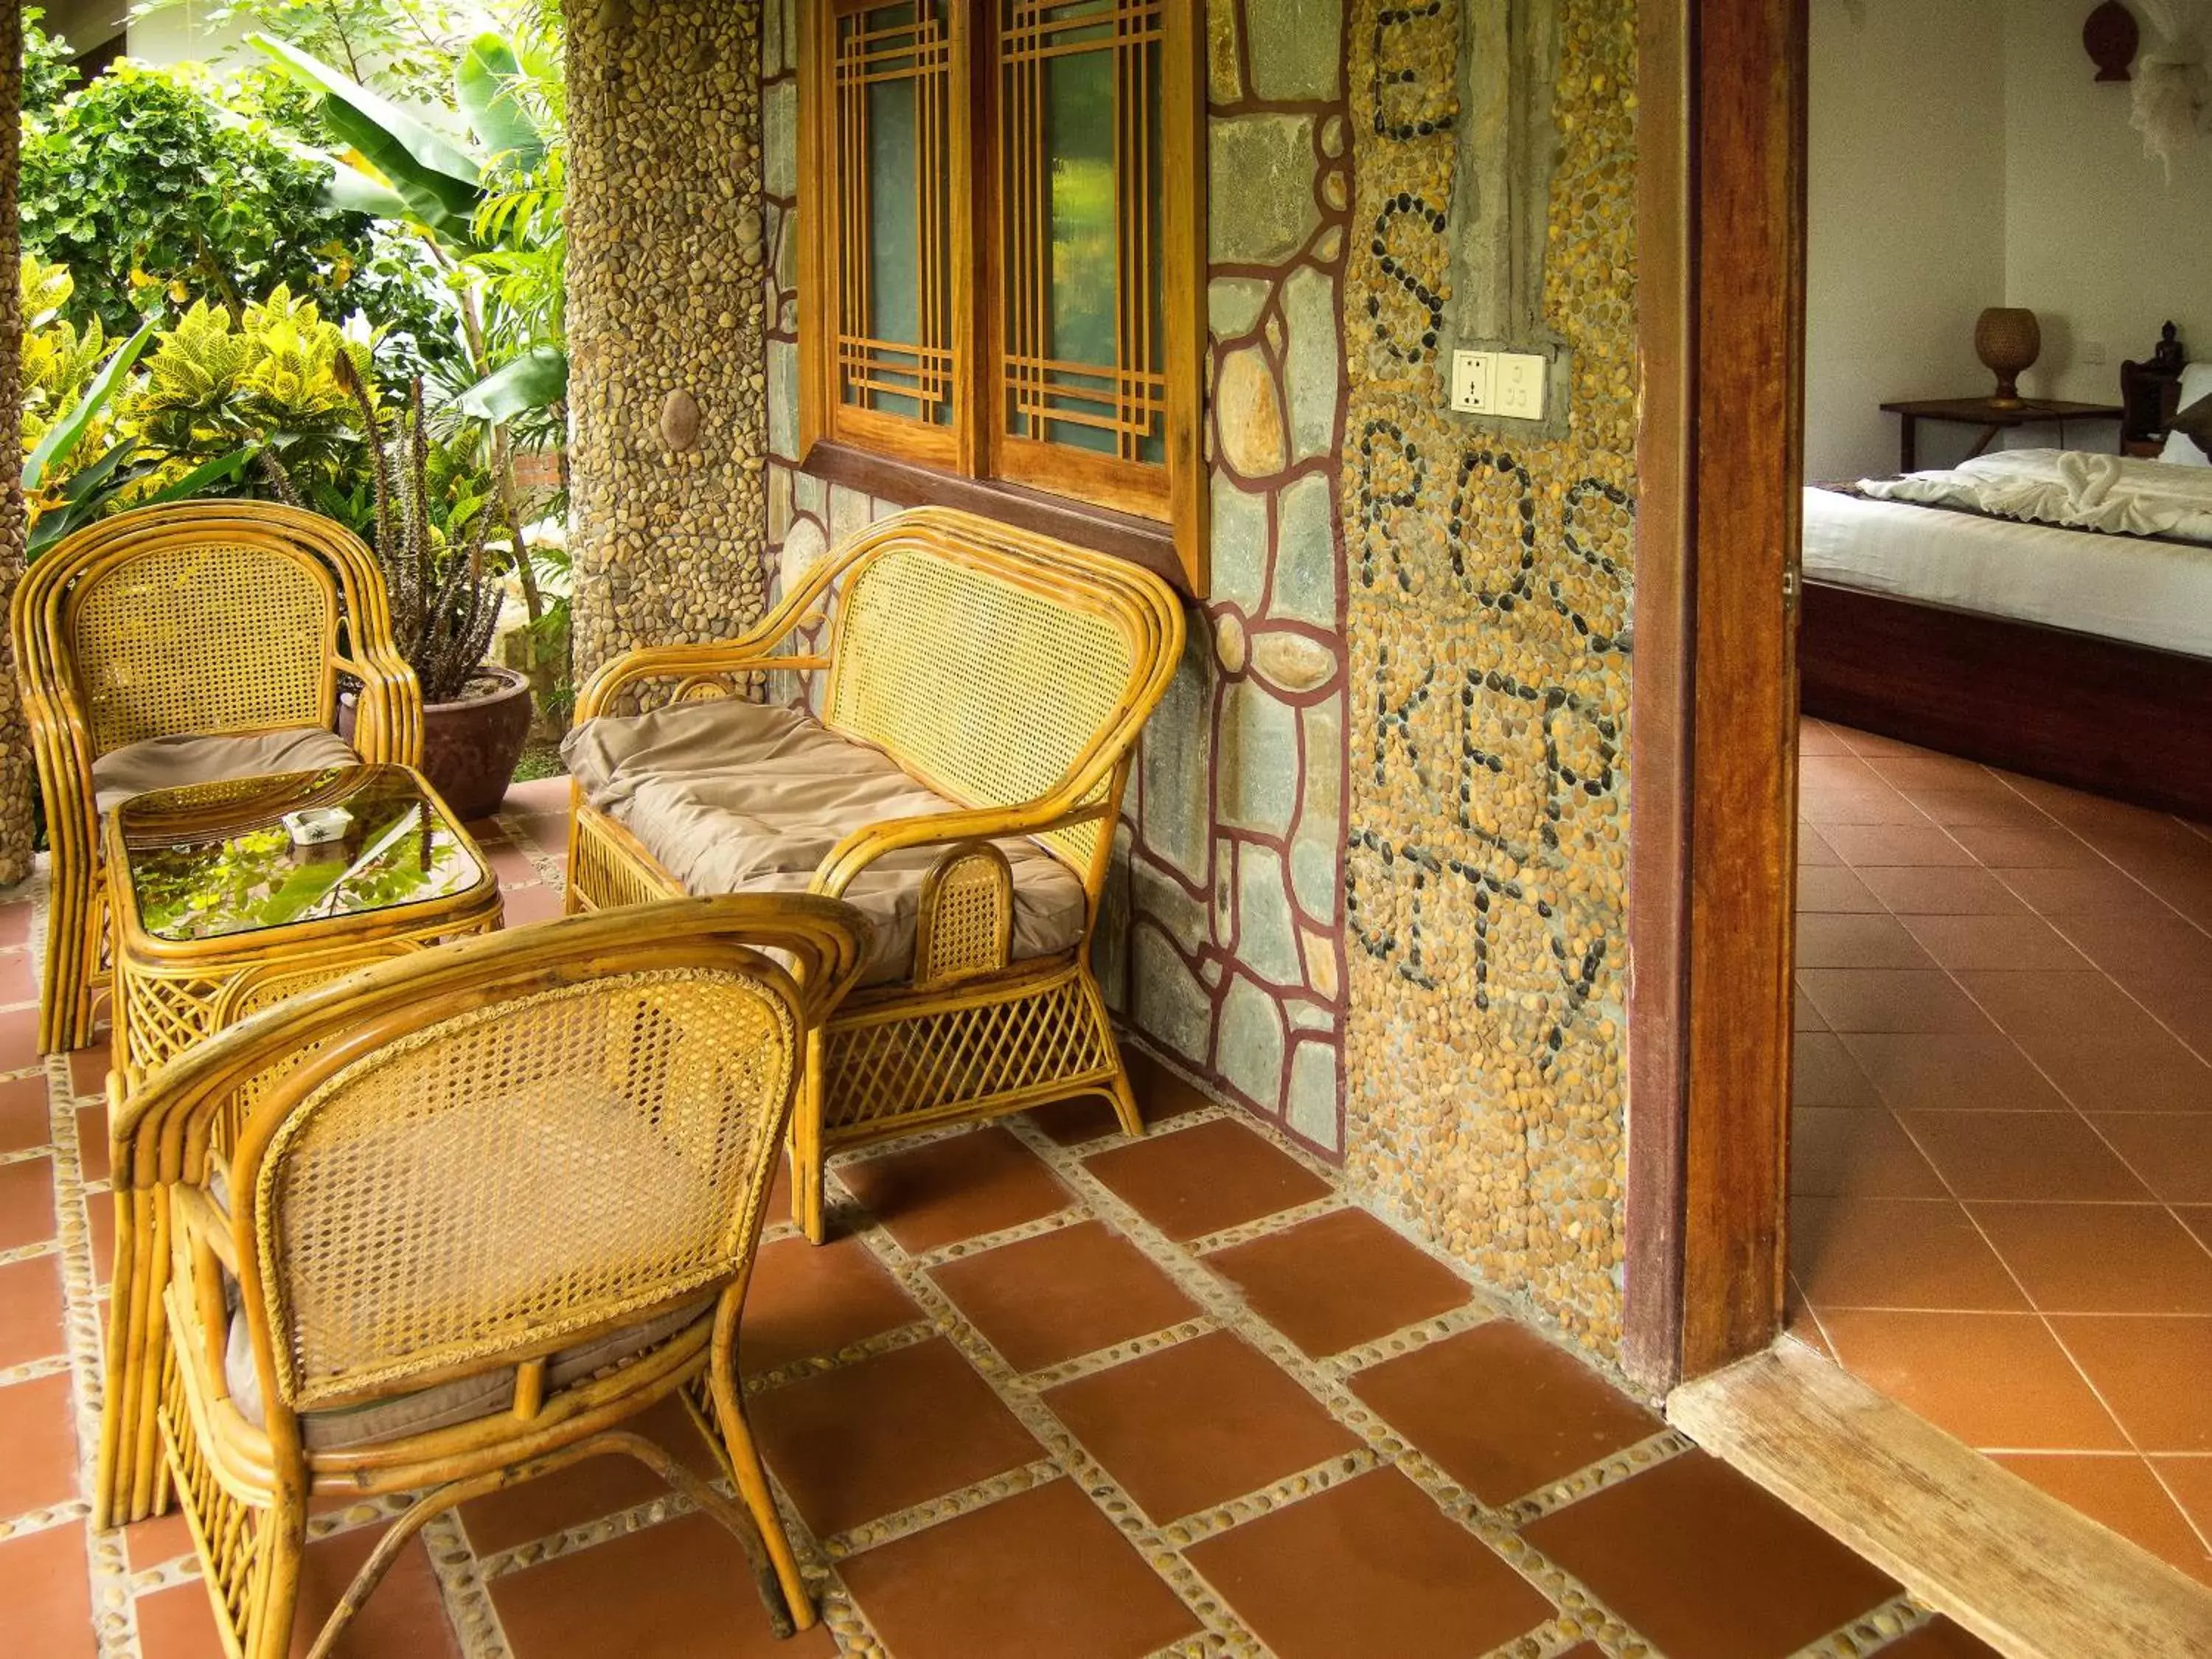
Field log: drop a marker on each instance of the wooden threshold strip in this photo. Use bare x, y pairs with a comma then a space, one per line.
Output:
2011, 1564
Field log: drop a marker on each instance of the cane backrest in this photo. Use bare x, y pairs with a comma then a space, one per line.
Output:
987, 674
209, 636
568, 1160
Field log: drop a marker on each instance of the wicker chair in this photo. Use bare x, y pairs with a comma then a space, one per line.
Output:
481, 1207
217, 618
1011, 674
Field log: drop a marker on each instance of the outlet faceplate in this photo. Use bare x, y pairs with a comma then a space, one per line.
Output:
1470, 382
1507, 384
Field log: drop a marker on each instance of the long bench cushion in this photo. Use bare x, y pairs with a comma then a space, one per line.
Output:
172, 763
734, 797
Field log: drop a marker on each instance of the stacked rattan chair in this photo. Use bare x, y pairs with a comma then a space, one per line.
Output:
448, 1223
219, 620
1004, 676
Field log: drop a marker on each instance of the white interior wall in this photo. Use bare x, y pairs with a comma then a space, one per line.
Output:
1964, 154
2098, 241
1906, 225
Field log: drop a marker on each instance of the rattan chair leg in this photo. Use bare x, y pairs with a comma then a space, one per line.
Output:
807, 1155
750, 1475
274, 1596
72, 959
1125, 1099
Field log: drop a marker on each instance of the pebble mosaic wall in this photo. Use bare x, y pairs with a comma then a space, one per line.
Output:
1223, 939
664, 322
1488, 620
16, 783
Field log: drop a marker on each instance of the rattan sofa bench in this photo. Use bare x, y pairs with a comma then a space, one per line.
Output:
974, 695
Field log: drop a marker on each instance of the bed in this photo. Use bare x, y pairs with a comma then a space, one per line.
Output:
2080, 656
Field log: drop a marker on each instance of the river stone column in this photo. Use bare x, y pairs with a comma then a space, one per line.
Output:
15, 774
666, 323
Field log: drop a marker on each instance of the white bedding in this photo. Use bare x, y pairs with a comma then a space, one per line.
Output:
2145, 592
2070, 488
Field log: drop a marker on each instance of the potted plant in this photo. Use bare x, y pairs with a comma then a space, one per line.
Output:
445, 593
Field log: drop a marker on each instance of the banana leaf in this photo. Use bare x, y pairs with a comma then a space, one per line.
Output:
440, 183
483, 85
64, 437
536, 380
92, 489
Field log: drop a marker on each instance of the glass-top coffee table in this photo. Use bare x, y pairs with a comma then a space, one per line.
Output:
223, 899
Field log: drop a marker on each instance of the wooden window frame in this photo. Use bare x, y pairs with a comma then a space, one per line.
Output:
1154, 516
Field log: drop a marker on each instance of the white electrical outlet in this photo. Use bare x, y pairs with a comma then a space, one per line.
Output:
1516, 386
1471, 381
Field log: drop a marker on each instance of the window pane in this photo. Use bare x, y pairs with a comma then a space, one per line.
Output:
894, 293
1080, 130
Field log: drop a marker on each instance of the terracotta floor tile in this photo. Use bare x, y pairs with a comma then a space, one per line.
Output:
2170, 1150
1703, 1562
1812, 849
1804, 1016
2082, 890
46, 1588
1072, 1291
2120, 1492
15, 922
1072, 1122
2156, 1374
1201, 1180
2183, 1004
1913, 1070
1339, 1280
1890, 1000
1986, 808
538, 795
1915, 773
885, 1434
587, 1491
809, 1300
92, 1141
2050, 848
1799, 1320
1368, 1567
2151, 1073
1198, 1423
2125, 943
1832, 889
19, 1038
1837, 769
407, 1616
31, 1310
38, 1427
26, 1202
549, 830
24, 1120
1844, 941
1997, 1381
963, 1188
1823, 1073
2100, 1258
1873, 745
2046, 1005
1941, 891
1864, 847
1162, 1097
2199, 1219
1502, 1411
1895, 1253
1016, 1580
680, 1591
149, 1543
524, 906
2187, 886
2024, 1155
1819, 737
2007, 943
1844, 809
89, 1068
1838, 1151
2189, 1482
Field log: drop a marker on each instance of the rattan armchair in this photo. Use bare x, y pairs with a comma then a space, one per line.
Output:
1011, 674
213, 618
449, 1222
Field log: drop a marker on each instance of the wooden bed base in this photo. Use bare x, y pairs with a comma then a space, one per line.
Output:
2123, 720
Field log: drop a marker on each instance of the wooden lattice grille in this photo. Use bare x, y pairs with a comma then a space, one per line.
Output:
1080, 144
894, 99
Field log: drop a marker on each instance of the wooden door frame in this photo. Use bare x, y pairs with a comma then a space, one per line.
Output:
1720, 214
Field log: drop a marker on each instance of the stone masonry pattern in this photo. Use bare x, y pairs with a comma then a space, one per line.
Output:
666, 323
1488, 621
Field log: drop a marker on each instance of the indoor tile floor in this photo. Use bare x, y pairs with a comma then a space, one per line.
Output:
1046, 1392
2002, 1210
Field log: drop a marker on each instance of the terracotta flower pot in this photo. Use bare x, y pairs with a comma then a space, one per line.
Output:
470, 746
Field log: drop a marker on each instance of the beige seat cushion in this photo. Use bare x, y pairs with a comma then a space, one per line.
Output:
172, 763
736, 797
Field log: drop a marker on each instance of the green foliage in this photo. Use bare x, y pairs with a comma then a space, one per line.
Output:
407, 48
267, 380
58, 360
153, 199
48, 72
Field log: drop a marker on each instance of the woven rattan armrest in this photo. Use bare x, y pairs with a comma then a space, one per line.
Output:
862, 848
203, 1220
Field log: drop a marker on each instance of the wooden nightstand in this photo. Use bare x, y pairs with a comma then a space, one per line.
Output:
1975, 411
